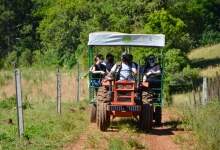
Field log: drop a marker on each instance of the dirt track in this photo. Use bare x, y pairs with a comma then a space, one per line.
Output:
160, 138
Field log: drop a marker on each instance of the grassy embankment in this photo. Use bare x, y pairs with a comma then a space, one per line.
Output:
44, 128
206, 58
203, 121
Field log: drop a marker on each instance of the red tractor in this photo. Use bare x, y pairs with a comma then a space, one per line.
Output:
125, 98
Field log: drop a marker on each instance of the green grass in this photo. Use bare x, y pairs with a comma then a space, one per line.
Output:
204, 123
44, 128
116, 144
127, 127
122, 144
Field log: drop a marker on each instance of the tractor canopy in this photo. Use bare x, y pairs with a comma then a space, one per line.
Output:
124, 39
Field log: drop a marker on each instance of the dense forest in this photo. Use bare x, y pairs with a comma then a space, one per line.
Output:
55, 32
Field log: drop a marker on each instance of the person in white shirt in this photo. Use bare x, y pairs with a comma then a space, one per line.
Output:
126, 70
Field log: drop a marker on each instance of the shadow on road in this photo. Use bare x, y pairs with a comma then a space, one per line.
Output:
166, 128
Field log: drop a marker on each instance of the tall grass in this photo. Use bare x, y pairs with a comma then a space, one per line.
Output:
40, 85
205, 123
5, 76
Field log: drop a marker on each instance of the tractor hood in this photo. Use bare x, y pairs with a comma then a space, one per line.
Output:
123, 39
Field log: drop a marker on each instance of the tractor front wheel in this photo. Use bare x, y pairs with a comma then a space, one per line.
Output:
103, 116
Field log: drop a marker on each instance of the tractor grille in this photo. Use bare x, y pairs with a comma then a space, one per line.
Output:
124, 97
124, 108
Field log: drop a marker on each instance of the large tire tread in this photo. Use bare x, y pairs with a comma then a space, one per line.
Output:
103, 117
93, 113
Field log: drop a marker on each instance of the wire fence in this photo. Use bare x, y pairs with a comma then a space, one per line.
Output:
39, 86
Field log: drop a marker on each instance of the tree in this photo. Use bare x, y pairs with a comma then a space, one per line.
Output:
162, 22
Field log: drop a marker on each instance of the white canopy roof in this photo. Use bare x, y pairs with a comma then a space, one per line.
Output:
123, 39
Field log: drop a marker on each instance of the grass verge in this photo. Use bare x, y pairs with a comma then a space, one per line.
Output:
204, 123
44, 128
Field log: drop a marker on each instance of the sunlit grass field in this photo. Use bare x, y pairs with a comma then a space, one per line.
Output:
210, 56
44, 128
205, 52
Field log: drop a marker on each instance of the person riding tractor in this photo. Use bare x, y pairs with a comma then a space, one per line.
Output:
125, 70
151, 72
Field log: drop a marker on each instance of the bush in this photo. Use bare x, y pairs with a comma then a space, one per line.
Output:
210, 37
10, 60
8, 103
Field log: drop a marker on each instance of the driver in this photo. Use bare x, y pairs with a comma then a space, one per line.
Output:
126, 70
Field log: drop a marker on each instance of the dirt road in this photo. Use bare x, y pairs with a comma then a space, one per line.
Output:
123, 133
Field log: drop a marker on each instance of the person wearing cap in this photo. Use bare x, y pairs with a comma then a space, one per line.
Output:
152, 71
126, 70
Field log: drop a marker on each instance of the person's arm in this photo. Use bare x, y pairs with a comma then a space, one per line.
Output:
144, 78
134, 70
156, 70
113, 69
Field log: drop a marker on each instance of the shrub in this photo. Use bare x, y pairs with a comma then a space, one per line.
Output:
8, 103
210, 37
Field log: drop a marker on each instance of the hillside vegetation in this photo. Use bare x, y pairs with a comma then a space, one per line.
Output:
207, 58
55, 32
207, 52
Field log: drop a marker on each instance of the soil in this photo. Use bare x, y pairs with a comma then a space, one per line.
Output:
159, 138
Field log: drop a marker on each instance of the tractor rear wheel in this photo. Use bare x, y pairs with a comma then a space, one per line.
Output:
103, 116
146, 117
158, 115
93, 113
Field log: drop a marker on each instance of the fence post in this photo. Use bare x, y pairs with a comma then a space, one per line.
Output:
58, 91
19, 103
78, 82
204, 91
218, 85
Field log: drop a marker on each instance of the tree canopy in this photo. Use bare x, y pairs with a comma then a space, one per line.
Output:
55, 32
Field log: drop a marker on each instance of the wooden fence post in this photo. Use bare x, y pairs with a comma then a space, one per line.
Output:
218, 85
78, 82
19, 103
58, 91
204, 91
